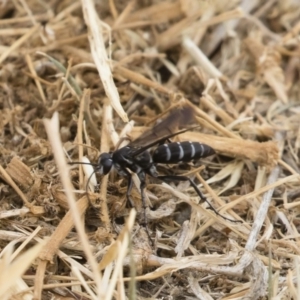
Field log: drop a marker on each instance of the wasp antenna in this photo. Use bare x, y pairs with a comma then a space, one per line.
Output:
89, 172
91, 180
81, 163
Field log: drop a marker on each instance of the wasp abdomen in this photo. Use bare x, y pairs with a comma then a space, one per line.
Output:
181, 152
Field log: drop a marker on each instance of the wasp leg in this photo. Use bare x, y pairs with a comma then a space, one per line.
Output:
129, 186
142, 177
202, 197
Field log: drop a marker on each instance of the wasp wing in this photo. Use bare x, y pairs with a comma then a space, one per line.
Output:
164, 130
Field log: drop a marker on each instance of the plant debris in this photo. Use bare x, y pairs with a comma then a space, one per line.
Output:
79, 78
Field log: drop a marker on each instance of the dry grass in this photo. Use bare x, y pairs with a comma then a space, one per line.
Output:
73, 73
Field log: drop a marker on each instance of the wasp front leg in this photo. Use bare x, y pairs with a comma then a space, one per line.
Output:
127, 174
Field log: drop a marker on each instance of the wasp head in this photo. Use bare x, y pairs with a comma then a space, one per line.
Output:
105, 163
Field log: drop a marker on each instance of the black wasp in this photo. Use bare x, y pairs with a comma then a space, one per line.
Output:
136, 156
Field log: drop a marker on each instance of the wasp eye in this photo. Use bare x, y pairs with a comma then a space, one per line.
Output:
105, 163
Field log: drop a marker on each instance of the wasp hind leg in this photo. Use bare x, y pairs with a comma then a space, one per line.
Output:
199, 193
142, 177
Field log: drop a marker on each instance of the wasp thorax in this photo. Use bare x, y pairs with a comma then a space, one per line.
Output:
105, 163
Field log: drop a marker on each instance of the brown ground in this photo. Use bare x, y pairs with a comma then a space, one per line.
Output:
94, 68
